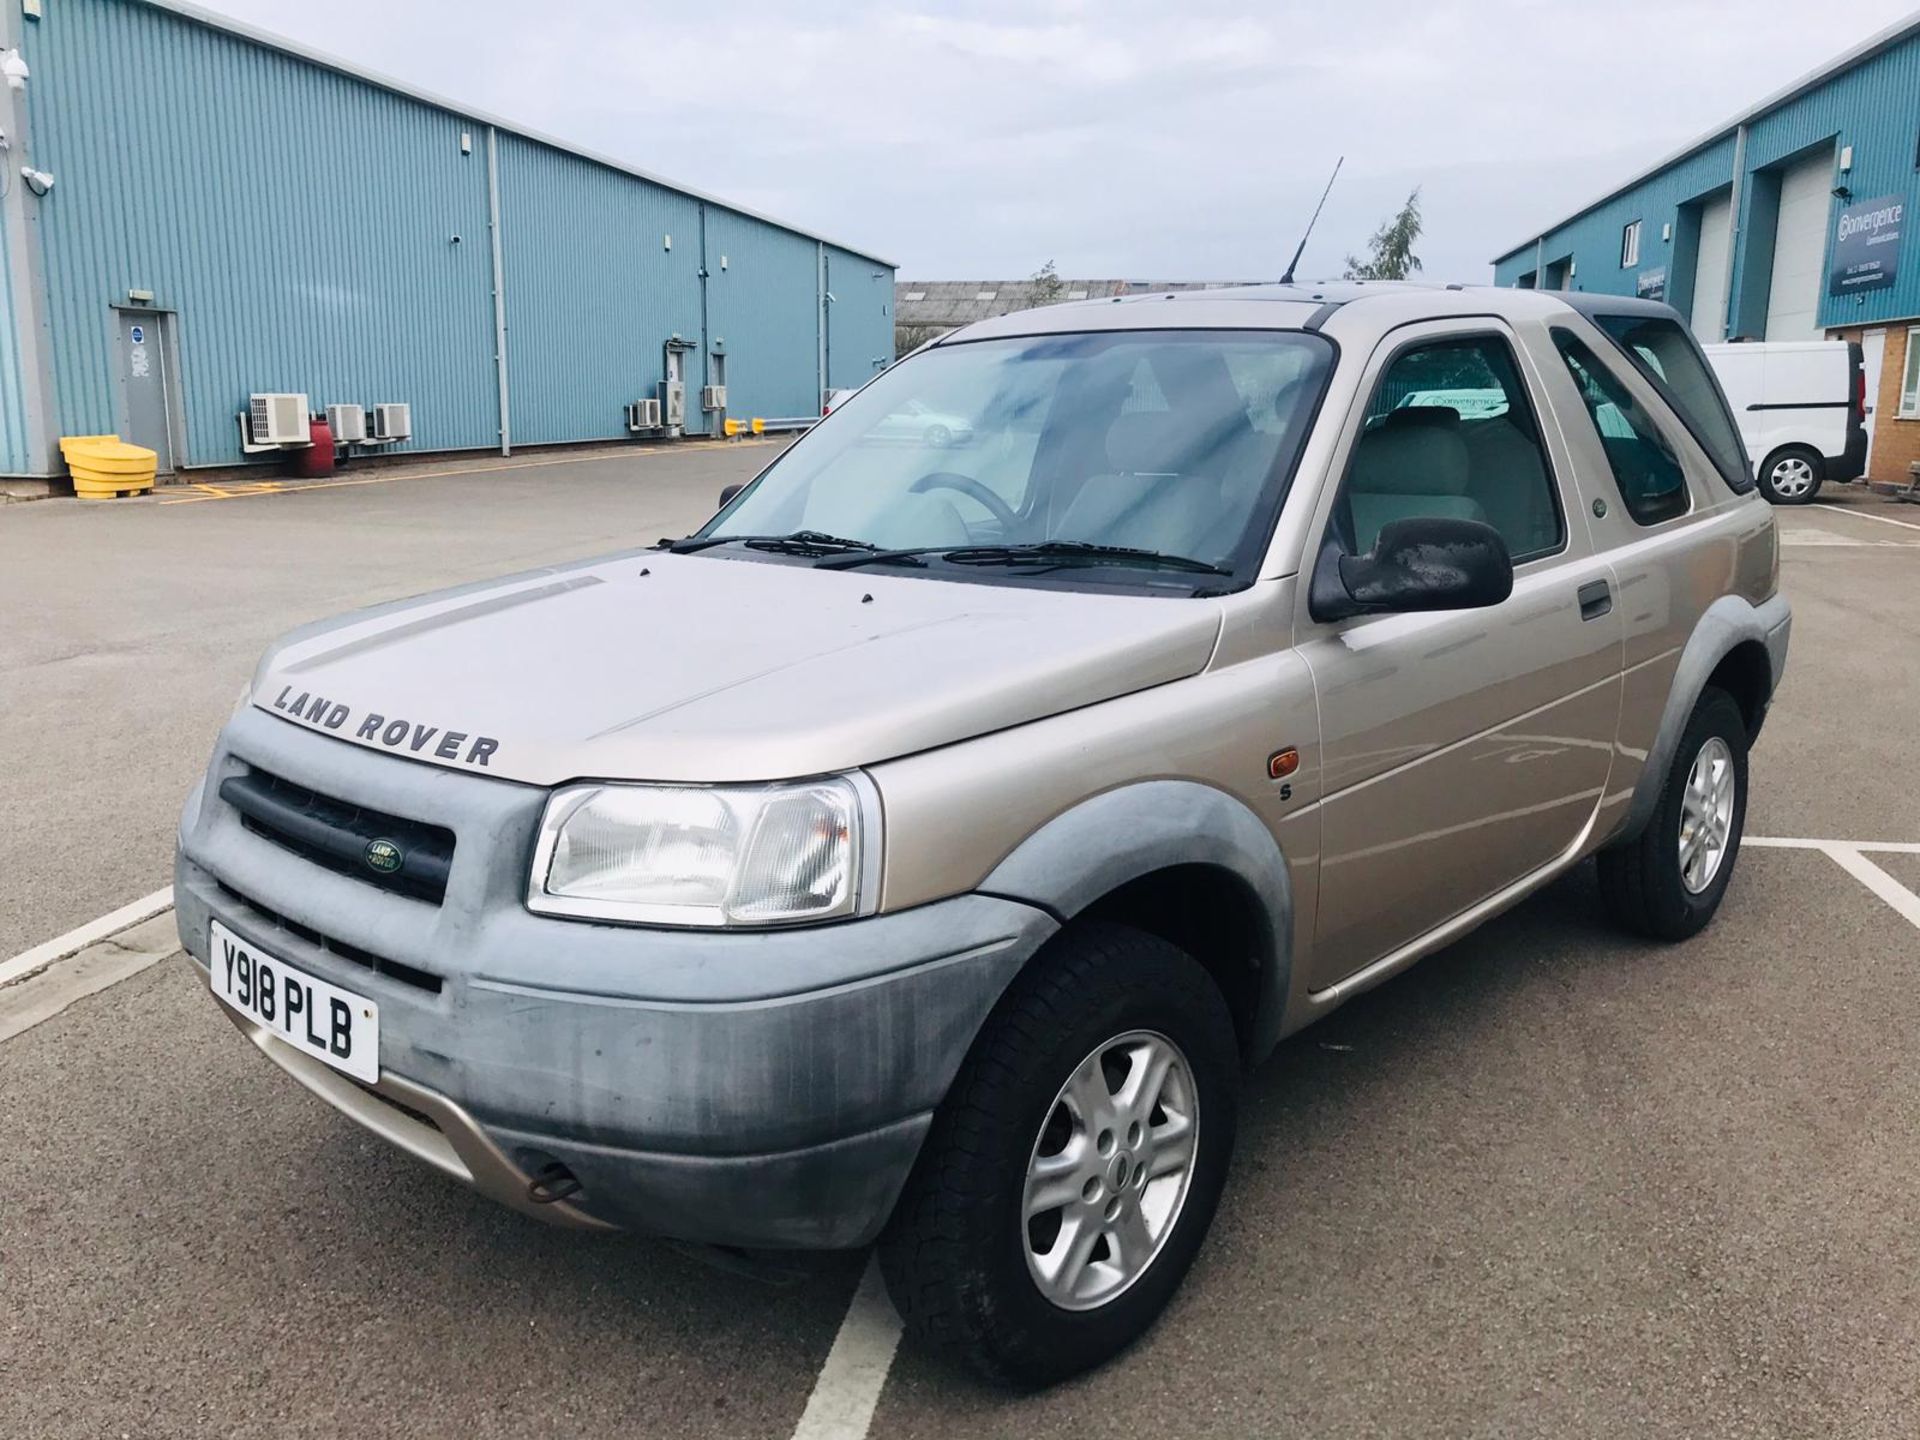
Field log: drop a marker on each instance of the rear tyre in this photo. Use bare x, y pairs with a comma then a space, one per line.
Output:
1667, 883
1073, 1170
1791, 475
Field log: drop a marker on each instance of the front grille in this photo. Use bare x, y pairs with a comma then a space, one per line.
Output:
339, 949
346, 838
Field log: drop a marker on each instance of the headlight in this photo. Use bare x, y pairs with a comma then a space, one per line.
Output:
708, 855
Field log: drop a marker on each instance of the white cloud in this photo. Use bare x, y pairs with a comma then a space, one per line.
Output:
1118, 138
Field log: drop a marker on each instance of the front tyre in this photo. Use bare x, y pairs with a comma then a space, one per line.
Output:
1073, 1170
1791, 475
1667, 882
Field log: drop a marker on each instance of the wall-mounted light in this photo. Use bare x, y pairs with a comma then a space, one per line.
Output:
1666, 231
38, 181
1842, 192
1846, 158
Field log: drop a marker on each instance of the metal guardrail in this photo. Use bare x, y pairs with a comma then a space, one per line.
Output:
760, 425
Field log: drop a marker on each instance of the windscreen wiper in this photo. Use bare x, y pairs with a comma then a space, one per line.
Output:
798, 542
1050, 552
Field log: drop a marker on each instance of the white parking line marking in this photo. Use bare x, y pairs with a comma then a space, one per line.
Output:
1866, 515
1905, 903
65, 983
1889, 847
843, 1400
77, 940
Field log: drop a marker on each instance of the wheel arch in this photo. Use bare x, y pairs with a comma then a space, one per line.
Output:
1182, 860
1737, 646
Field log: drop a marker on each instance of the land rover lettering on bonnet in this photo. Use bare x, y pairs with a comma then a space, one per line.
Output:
375, 728
921, 851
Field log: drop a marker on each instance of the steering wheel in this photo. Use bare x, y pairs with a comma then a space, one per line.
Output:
971, 488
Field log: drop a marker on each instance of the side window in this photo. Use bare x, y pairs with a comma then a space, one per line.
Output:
1645, 469
1673, 365
1450, 433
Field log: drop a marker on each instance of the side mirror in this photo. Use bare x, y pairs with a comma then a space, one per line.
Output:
726, 495
1427, 563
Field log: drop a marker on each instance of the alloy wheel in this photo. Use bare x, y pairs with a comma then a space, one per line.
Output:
1706, 815
1110, 1170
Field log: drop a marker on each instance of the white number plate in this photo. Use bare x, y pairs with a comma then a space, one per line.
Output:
332, 1025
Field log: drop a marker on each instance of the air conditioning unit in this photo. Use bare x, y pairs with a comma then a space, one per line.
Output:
393, 421
643, 415
348, 424
713, 397
673, 402
279, 420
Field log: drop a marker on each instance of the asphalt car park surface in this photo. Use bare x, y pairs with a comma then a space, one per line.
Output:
1552, 1181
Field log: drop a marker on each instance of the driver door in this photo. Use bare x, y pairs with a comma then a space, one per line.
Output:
1462, 749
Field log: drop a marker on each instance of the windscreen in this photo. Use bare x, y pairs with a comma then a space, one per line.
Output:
1173, 442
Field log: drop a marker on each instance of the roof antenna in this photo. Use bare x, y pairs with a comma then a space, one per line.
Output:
1287, 279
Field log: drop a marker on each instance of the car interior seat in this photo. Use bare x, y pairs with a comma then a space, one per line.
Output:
1157, 492
1412, 464
1509, 479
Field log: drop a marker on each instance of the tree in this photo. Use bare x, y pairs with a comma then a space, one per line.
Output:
1392, 243
1047, 285
909, 338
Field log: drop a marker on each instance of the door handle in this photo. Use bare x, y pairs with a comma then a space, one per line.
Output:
1596, 599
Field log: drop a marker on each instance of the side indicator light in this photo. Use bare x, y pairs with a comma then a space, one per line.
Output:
1282, 763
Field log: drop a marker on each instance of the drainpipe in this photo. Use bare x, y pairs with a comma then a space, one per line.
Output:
499, 290
26, 269
1539, 263
820, 318
1734, 231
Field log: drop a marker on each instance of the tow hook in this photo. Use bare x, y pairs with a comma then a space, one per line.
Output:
553, 1181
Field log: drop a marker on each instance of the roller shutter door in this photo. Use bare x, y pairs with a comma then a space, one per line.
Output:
1710, 270
1799, 246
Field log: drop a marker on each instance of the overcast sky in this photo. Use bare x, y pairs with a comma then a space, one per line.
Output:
1118, 138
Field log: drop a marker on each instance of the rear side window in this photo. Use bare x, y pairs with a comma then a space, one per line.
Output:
1652, 484
1667, 356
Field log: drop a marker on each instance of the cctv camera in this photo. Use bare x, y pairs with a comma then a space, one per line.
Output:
14, 68
38, 181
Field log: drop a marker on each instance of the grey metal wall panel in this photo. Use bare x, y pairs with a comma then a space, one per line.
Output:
860, 319
298, 222
593, 294
1868, 106
765, 307
15, 458
1871, 108
1592, 239
300, 225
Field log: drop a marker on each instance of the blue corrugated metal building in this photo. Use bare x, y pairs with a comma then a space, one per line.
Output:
231, 214
1788, 222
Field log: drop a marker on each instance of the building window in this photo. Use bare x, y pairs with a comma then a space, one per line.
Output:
914, 295
1630, 246
986, 295
1910, 378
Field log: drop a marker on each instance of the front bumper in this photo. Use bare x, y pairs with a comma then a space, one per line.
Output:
764, 1089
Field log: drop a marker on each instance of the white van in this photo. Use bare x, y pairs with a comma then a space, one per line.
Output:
1801, 405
